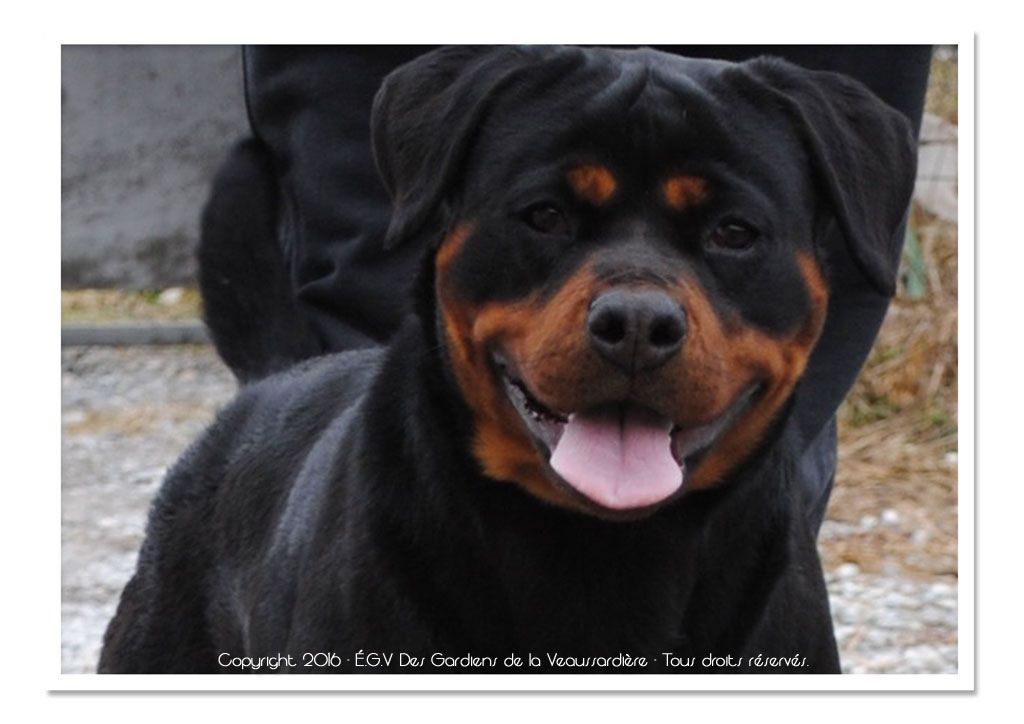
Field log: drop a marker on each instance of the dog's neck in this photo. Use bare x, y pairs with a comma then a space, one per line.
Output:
538, 566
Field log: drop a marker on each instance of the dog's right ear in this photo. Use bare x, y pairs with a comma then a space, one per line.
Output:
425, 116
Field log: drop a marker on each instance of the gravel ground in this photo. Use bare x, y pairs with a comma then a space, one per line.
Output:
127, 413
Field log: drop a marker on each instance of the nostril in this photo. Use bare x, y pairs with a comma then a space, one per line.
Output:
667, 331
636, 329
609, 326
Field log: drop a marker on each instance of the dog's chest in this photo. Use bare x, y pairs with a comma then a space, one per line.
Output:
571, 592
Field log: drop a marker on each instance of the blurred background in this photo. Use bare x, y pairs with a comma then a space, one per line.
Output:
144, 129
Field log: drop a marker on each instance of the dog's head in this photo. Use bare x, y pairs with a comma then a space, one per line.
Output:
627, 250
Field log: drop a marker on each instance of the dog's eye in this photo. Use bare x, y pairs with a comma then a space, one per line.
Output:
733, 236
547, 219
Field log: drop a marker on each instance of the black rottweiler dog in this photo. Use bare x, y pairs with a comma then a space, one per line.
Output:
575, 447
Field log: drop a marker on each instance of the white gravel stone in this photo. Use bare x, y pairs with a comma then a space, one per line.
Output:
848, 570
868, 522
170, 297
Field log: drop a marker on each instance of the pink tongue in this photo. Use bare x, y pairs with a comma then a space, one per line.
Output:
618, 460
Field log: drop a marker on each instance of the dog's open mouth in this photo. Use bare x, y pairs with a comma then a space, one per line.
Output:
621, 456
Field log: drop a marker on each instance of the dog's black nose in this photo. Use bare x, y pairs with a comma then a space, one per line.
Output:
636, 330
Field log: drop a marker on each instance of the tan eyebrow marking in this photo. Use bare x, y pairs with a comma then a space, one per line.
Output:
593, 183
683, 191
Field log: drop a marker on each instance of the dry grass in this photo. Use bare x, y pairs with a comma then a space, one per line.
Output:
898, 430
942, 84
898, 427
111, 305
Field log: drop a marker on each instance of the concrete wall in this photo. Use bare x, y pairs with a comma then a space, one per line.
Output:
143, 129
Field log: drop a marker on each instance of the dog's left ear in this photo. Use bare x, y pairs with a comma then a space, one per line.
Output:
424, 119
864, 154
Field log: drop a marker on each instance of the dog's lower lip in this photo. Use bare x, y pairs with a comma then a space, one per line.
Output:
533, 405
544, 424
689, 443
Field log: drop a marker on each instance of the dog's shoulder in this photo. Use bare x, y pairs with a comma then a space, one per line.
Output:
308, 394
262, 438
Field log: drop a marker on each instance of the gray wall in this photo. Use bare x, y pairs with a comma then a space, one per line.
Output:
143, 129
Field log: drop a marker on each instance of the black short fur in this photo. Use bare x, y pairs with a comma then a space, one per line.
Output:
336, 507
248, 302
